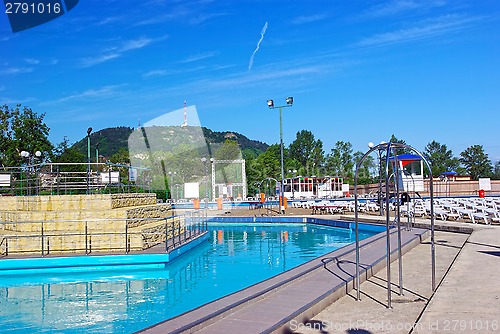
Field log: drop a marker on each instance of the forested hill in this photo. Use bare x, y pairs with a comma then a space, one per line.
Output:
113, 140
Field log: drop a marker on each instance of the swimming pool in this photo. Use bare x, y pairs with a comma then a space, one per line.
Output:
125, 301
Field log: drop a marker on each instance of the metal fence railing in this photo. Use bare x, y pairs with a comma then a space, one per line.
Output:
72, 178
156, 235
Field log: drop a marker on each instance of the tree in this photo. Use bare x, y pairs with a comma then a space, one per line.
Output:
229, 150
476, 162
307, 151
22, 131
268, 164
396, 140
63, 153
496, 172
440, 158
6, 136
120, 157
340, 161
365, 172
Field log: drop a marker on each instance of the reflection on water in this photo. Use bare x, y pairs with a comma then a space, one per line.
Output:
236, 256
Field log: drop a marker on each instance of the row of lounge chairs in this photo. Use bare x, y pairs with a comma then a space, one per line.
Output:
477, 210
326, 207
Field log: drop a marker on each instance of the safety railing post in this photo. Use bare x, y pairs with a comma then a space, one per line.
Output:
43, 240
166, 235
126, 238
86, 238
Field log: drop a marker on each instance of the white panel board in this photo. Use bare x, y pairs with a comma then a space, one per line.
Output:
4, 180
192, 190
485, 184
115, 177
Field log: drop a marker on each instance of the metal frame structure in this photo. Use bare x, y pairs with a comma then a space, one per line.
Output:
388, 147
243, 182
67, 178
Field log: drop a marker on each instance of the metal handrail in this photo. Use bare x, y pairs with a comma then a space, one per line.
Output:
177, 230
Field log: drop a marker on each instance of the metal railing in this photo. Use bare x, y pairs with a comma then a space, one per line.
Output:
152, 235
72, 178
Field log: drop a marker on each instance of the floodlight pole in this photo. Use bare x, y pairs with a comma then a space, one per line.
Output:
270, 104
89, 130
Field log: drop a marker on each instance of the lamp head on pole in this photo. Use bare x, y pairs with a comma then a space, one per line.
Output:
289, 100
270, 103
25, 154
38, 154
370, 145
89, 130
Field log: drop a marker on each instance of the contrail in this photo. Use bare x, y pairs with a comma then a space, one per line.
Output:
262, 33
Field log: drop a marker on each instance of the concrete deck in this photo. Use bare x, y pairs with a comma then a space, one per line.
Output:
467, 298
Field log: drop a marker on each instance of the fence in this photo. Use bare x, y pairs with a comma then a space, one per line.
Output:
72, 178
154, 235
441, 188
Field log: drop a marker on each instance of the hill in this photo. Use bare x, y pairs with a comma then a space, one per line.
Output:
113, 140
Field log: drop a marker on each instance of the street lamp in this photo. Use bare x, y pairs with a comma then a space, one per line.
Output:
379, 199
31, 162
294, 172
97, 157
171, 185
204, 160
270, 104
89, 130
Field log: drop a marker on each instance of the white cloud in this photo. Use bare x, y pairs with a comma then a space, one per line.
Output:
135, 44
118, 50
105, 91
394, 7
425, 29
156, 73
200, 56
91, 61
32, 61
256, 78
262, 34
16, 70
308, 19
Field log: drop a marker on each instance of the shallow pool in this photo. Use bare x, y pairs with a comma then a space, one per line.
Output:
235, 257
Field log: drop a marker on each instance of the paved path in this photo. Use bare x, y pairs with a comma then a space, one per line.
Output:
467, 299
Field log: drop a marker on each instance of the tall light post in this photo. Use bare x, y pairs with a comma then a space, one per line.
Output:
171, 185
31, 161
379, 198
97, 157
293, 172
270, 104
204, 160
89, 130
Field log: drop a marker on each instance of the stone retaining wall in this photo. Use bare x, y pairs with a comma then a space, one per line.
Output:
75, 202
139, 216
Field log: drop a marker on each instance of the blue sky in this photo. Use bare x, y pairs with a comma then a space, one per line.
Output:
359, 71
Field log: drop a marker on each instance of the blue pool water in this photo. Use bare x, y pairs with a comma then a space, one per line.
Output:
126, 301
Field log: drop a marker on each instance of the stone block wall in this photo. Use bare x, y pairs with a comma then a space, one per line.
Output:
139, 216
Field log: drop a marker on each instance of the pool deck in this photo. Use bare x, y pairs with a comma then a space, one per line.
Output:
467, 298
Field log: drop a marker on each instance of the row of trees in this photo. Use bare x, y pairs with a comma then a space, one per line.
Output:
306, 156
21, 129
